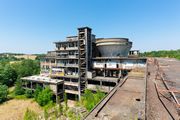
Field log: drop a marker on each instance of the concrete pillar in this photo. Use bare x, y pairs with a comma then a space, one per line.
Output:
104, 72
25, 83
101, 83
31, 85
120, 73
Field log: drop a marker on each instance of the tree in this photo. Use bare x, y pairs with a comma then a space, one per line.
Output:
18, 88
162, 53
45, 97
8, 75
27, 67
3, 93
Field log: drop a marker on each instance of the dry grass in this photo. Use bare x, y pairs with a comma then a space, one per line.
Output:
14, 109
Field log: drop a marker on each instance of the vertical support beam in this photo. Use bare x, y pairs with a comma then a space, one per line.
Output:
101, 83
104, 68
31, 85
26, 83
45, 65
120, 73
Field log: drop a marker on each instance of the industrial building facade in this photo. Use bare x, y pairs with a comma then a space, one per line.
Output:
85, 62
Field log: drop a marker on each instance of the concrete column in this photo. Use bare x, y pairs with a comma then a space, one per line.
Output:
101, 83
31, 84
104, 72
120, 73
26, 84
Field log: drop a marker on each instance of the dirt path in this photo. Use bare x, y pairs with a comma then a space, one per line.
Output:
155, 109
15, 109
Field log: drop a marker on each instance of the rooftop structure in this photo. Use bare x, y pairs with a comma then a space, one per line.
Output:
113, 47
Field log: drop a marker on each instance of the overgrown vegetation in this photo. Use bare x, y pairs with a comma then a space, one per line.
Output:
90, 99
4, 58
62, 110
10, 74
37, 91
18, 88
3, 93
30, 115
27, 67
44, 97
163, 53
29, 93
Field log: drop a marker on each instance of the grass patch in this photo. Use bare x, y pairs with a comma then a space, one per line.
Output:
12, 95
20, 97
50, 105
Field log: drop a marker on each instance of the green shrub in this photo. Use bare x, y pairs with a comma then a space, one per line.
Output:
30, 115
29, 93
98, 96
50, 105
44, 97
18, 88
3, 93
8, 75
90, 99
37, 91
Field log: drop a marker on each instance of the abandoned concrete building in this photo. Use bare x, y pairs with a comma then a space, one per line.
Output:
84, 61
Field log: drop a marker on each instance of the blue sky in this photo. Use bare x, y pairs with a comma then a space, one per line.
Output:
31, 26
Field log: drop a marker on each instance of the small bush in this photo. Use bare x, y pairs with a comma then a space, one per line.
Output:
90, 99
44, 97
37, 91
3, 93
18, 88
29, 93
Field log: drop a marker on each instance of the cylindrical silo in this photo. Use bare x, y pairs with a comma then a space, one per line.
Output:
113, 47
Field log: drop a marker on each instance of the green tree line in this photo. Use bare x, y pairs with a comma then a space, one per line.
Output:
162, 53
10, 73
